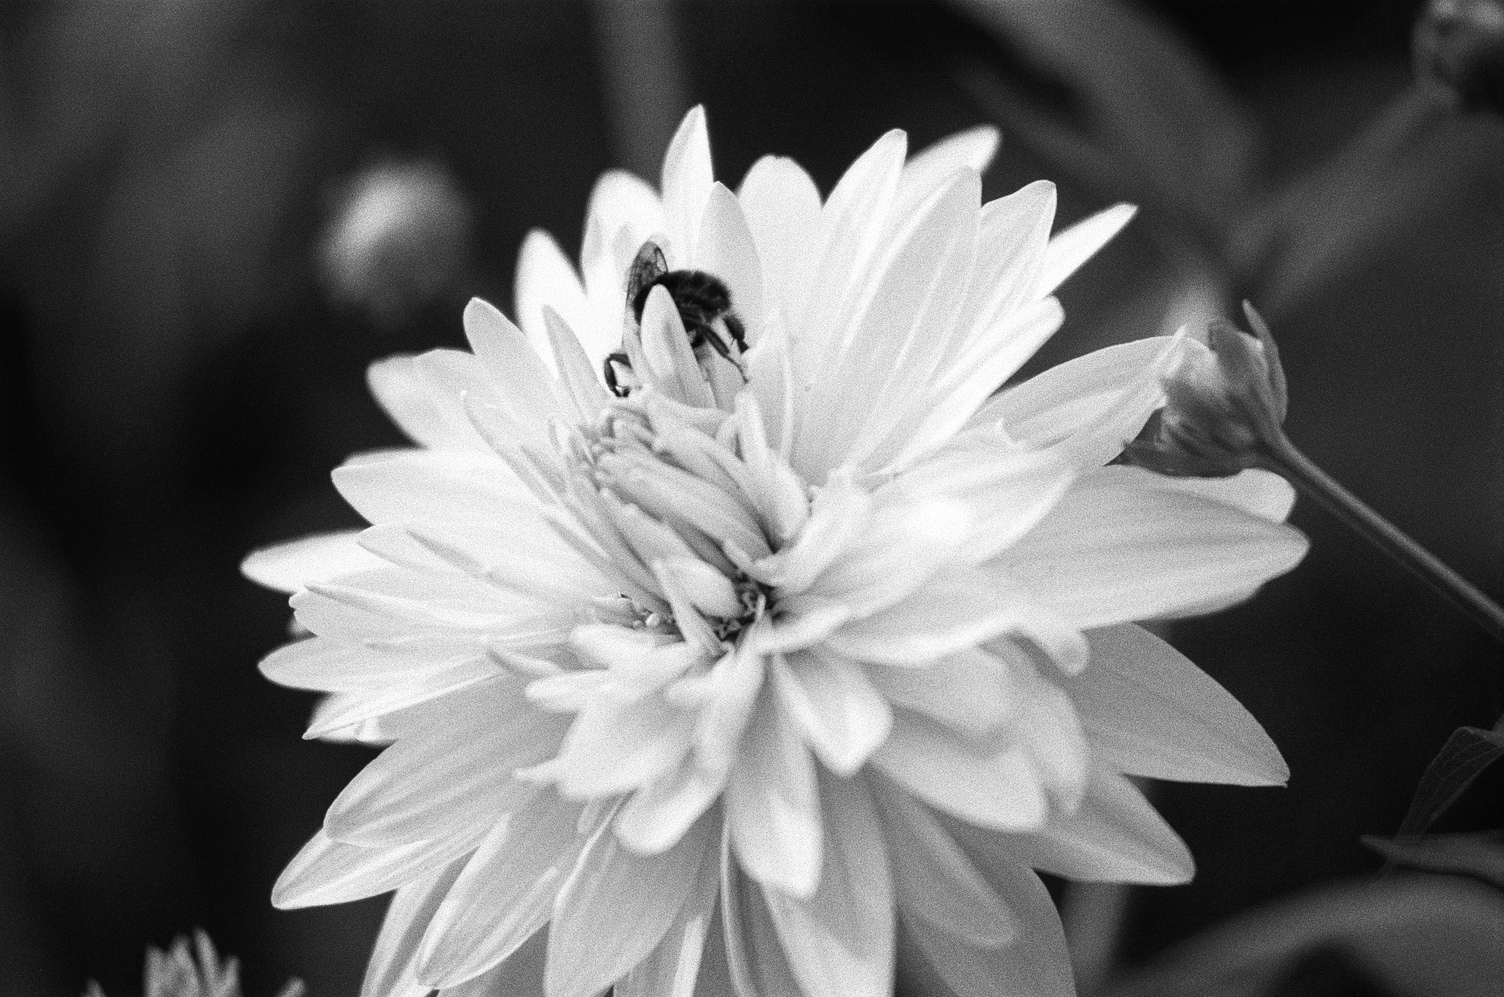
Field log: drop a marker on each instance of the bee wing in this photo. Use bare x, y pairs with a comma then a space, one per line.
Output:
647, 266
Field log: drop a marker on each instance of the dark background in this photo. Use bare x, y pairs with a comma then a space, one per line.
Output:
177, 380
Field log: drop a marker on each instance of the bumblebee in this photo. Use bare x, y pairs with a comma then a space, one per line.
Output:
703, 303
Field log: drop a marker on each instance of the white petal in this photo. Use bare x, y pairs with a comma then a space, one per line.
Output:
504, 895
672, 367
985, 365
726, 249
1147, 710
773, 806
972, 149
392, 969
672, 968
1256, 491
754, 955
450, 778
934, 880
289, 566
545, 277
840, 714
782, 209
329, 666
1000, 791
852, 226
1035, 964
1011, 242
424, 396
326, 871
1072, 247
898, 332
615, 746
687, 177
344, 710
1088, 407
617, 906
520, 377
973, 693
840, 942
1113, 836
1124, 545
623, 212
520, 973
659, 813
952, 612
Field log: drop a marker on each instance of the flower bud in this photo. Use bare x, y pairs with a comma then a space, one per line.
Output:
1224, 405
1460, 43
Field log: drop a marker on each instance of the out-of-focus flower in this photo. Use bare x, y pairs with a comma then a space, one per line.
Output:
797, 624
398, 238
1225, 405
193, 971
1460, 43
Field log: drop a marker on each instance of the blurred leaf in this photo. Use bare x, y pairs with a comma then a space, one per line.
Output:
1150, 122
1479, 854
1424, 936
1462, 759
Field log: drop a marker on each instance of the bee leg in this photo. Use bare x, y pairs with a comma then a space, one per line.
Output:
609, 369
719, 345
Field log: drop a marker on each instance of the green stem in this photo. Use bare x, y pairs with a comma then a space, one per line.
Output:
1301, 471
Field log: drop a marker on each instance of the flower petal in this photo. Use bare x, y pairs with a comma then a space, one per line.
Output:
1070, 248
934, 880
617, 906
1001, 791
727, 249
505, 893
782, 208
754, 955
674, 965
450, 778
392, 970
687, 177
1147, 710
326, 871
546, 278
773, 807
840, 942
1113, 836
842, 717
290, 566
1126, 545
1036, 963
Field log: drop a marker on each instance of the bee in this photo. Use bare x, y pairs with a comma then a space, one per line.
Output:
703, 303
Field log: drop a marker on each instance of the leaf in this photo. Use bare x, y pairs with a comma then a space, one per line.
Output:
1462, 759
1151, 122
1479, 854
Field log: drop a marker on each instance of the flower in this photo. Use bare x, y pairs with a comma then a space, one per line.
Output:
814, 638
193, 972
1460, 44
1224, 409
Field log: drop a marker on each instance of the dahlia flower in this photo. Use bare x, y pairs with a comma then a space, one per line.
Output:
795, 639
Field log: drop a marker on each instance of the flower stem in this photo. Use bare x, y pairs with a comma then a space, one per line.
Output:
1285, 459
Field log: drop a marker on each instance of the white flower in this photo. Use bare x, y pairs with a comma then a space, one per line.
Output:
817, 636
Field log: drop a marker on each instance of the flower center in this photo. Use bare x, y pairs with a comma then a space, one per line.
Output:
754, 597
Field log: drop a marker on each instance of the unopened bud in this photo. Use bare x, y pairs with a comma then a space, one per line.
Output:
1460, 43
1224, 406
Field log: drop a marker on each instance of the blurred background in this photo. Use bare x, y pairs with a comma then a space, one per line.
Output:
214, 215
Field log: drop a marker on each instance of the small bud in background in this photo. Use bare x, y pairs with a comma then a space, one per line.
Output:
397, 239
1224, 405
1460, 43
